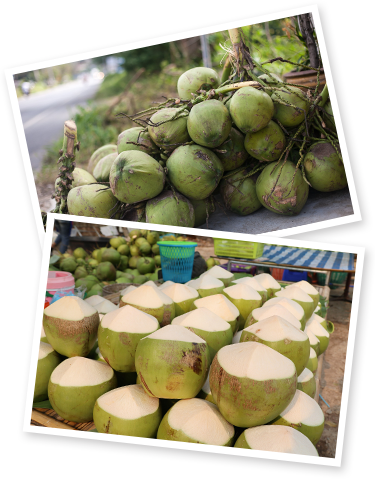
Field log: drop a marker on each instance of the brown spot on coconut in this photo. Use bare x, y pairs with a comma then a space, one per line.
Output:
183, 297
71, 326
251, 383
314, 326
152, 301
306, 383
260, 314
172, 362
221, 274
48, 360
220, 305
253, 283
269, 283
196, 421
293, 307
245, 298
299, 296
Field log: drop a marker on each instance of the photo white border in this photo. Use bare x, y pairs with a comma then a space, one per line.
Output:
179, 445
356, 216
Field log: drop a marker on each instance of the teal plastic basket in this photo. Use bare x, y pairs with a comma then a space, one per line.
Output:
177, 259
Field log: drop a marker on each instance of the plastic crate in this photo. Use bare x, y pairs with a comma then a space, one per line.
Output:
336, 278
277, 273
237, 248
294, 276
177, 259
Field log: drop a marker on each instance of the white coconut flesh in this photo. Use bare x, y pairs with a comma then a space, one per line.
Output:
218, 272
255, 361
200, 420
306, 287
70, 308
303, 409
207, 282
203, 319
279, 438
275, 329
81, 372
317, 320
267, 281
150, 283
44, 350
237, 336
147, 297
306, 375
193, 283
314, 341
128, 289
166, 284
264, 312
242, 292
313, 354
220, 305
175, 333
94, 300
131, 320
320, 333
180, 293
128, 403
319, 306
105, 307
252, 282
295, 293
294, 308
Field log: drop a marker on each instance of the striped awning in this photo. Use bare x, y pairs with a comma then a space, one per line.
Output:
302, 257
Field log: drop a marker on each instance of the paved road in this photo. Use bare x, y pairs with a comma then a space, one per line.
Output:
43, 114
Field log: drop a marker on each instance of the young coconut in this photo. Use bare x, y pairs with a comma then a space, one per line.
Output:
251, 370
152, 301
167, 284
315, 327
314, 342
304, 414
223, 307
128, 289
209, 326
264, 312
196, 421
170, 208
280, 335
94, 300
306, 383
312, 364
105, 307
207, 285
196, 79
299, 296
323, 322
269, 283
120, 332
221, 274
128, 411
48, 360
76, 384
253, 282
71, 326
309, 289
245, 298
172, 362
183, 297
276, 438
293, 307
92, 201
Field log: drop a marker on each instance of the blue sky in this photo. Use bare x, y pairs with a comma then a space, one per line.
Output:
48, 28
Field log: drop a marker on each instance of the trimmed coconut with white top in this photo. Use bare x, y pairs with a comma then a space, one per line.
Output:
269, 283
245, 298
151, 283
304, 414
208, 285
314, 326
196, 421
152, 301
71, 326
172, 362
128, 411
209, 326
94, 300
105, 307
280, 335
312, 364
264, 312
120, 332
128, 289
48, 360
166, 284
182, 295
322, 321
251, 383
276, 438
220, 305
314, 341
310, 290
294, 308
205, 392
221, 274
253, 282
306, 383
76, 384
193, 283
299, 296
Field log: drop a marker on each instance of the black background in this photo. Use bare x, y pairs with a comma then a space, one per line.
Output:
18, 229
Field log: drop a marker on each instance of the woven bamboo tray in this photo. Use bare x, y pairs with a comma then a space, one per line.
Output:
43, 417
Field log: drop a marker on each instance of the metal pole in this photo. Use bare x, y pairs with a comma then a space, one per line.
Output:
206, 52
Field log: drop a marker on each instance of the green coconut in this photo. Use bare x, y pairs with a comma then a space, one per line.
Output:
80, 272
239, 193
314, 326
253, 283
202, 210
196, 421
183, 297
123, 249
198, 78
145, 248
221, 274
276, 191
92, 201
269, 283
146, 265
267, 311
106, 271
68, 265
79, 253
103, 167
251, 109
232, 152
172, 362
111, 255
245, 298
312, 364
295, 112
48, 360
152, 301
99, 154
221, 306
170, 208
76, 384
271, 79
276, 438
104, 307
43, 337
324, 167
128, 411
310, 290
119, 333
116, 242
208, 285
152, 238
71, 326
95, 290
306, 383
266, 144
328, 116
209, 123
300, 297
293, 307
304, 414
282, 336
124, 263
166, 135
251, 370
80, 177
314, 344
128, 139
135, 176
194, 171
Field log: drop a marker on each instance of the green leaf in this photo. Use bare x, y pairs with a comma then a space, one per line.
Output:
54, 259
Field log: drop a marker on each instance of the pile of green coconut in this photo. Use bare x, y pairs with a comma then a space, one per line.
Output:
133, 260
218, 360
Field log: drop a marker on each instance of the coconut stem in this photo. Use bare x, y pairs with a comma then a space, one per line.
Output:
226, 70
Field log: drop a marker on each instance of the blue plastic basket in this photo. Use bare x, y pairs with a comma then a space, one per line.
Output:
177, 259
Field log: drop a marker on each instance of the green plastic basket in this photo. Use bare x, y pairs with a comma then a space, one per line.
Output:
237, 248
177, 259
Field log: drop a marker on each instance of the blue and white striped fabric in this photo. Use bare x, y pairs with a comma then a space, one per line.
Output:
301, 257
